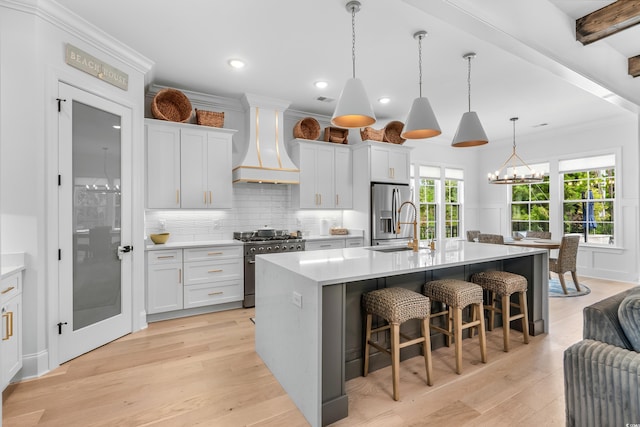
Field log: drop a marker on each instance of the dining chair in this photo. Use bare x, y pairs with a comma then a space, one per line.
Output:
539, 234
566, 261
472, 235
496, 239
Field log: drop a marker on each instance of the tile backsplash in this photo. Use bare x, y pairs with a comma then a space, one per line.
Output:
254, 206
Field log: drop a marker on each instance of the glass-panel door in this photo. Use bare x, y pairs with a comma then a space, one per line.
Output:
96, 214
94, 203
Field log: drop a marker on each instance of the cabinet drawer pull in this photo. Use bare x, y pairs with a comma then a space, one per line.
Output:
210, 198
6, 328
337, 200
325, 246
179, 275
214, 253
205, 197
215, 271
165, 257
10, 288
177, 197
216, 293
10, 321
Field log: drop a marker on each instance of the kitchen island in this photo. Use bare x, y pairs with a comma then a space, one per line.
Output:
308, 318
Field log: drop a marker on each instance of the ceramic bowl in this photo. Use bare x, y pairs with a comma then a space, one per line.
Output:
159, 238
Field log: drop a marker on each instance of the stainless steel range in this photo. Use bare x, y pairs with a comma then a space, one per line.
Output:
260, 242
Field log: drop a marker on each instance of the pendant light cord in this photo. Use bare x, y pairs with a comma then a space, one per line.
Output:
353, 40
469, 83
420, 63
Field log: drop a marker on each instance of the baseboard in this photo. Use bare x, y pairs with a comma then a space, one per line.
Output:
33, 365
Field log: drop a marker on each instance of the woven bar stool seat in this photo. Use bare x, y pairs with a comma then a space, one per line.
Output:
396, 306
504, 284
458, 294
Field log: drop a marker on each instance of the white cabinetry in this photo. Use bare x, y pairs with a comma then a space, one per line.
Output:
11, 308
326, 178
318, 245
164, 281
354, 242
180, 279
213, 275
188, 166
389, 163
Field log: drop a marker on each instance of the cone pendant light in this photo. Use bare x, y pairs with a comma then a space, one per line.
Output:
353, 109
470, 132
421, 122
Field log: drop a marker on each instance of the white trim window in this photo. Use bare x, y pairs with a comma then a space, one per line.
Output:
530, 204
453, 197
589, 198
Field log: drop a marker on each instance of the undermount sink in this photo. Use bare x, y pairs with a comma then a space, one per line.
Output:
390, 248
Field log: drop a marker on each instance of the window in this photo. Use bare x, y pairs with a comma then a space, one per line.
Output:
589, 198
452, 207
530, 206
435, 202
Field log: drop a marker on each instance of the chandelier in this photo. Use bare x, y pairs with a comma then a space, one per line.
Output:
515, 170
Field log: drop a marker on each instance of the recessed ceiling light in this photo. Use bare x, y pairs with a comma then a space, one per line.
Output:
321, 84
384, 100
236, 63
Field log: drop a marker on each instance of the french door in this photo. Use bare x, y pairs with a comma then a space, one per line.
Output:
94, 286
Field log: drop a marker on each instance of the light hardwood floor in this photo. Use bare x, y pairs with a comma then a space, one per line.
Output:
204, 371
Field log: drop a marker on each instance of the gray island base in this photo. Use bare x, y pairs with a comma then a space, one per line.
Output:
309, 325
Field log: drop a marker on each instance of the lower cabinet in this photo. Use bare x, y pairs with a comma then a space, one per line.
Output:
334, 243
11, 344
187, 278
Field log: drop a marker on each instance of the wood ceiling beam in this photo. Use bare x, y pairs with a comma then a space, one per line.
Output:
634, 66
609, 20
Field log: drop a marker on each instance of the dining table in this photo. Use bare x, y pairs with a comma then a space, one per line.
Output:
535, 243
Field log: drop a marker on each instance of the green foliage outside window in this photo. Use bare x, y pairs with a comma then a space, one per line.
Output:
428, 209
530, 206
588, 207
452, 208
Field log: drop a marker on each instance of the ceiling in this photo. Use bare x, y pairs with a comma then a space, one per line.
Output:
290, 44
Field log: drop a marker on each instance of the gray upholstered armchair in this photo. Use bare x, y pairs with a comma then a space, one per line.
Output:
602, 372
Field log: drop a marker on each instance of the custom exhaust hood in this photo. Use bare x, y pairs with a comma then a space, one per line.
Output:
265, 158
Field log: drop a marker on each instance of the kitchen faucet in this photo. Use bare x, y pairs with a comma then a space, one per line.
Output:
414, 243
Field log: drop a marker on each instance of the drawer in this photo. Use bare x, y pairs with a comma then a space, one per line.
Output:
212, 252
354, 242
317, 245
213, 293
10, 286
167, 256
212, 271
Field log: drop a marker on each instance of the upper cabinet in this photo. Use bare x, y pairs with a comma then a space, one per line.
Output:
389, 163
326, 180
188, 166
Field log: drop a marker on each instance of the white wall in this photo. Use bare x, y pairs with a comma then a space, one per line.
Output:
617, 134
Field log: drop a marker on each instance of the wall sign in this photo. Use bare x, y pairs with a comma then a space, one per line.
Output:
89, 64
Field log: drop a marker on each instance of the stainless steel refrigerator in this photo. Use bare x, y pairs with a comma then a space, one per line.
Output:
385, 201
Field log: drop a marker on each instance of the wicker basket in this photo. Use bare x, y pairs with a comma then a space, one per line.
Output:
372, 134
209, 118
172, 105
307, 128
337, 135
392, 132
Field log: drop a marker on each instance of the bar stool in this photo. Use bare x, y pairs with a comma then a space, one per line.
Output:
458, 294
396, 306
504, 284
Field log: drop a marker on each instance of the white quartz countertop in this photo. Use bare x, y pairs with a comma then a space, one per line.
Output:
9, 270
150, 246
353, 233
333, 266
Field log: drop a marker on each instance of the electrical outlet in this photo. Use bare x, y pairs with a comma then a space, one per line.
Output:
163, 224
296, 299
217, 224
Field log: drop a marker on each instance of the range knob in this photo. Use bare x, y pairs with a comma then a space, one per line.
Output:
284, 247
276, 248
291, 247
299, 248
268, 248
252, 250
260, 249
